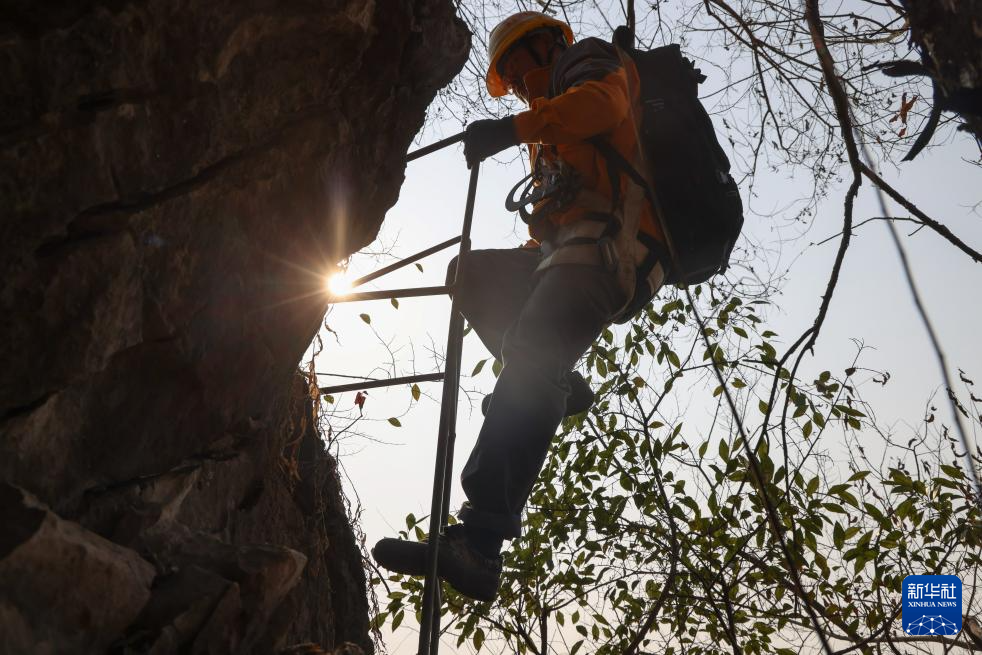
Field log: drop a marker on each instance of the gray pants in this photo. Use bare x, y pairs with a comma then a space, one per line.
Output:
539, 326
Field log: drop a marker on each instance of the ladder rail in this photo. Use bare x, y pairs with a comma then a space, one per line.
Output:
429, 631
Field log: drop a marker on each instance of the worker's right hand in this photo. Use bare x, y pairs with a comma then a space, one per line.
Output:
488, 137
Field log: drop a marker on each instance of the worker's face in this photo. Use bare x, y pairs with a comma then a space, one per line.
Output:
519, 61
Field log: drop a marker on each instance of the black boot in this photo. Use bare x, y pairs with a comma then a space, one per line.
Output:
460, 563
580, 397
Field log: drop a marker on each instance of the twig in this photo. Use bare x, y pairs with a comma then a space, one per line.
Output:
935, 344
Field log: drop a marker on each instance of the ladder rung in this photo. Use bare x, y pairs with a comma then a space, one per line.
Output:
405, 262
390, 382
433, 147
391, 293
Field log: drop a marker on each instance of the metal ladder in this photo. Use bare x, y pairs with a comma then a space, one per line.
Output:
429, 629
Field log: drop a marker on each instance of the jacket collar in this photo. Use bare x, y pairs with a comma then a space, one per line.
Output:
537, 82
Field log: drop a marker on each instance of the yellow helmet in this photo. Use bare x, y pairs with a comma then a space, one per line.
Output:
506, 33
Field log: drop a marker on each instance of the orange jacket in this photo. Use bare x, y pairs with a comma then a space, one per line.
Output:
586, 92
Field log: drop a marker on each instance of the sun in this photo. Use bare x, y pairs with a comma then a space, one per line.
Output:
339, 284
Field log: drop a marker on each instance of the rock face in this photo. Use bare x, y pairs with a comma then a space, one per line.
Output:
176, 177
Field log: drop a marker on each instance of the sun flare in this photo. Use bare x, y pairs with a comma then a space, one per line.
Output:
339, 284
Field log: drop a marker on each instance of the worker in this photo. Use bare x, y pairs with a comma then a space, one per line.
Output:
540, 307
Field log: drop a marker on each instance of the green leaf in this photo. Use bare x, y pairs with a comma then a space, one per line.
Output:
478, 367
394, 421
953, 471
496, 367
849, 411
874, 511
366, 318
738, 383
419, 266
763, 406
740, 331
415, 391
395, 302
812, 486
397, 619
601, 367
904, 508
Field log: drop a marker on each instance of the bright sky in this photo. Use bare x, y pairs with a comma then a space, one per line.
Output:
390, 469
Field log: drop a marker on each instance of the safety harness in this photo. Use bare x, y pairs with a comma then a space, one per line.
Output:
607, 236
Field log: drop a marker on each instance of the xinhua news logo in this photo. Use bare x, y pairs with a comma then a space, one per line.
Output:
932, 605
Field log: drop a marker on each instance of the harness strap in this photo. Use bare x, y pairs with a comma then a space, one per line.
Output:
656, 251
616, 160
583, 253
588, 232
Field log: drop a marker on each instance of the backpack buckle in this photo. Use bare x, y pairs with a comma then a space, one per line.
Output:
656, 104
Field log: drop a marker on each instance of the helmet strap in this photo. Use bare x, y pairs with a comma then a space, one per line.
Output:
533, 53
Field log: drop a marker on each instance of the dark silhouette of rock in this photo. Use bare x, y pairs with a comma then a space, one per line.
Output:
176, 178
62, 587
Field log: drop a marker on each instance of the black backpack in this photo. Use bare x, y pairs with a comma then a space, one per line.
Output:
696, 200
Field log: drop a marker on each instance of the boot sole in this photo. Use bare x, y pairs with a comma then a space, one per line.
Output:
409, 558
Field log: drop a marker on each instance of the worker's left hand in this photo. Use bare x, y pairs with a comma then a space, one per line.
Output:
488, 137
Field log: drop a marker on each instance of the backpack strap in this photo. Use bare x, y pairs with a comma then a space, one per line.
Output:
617, 163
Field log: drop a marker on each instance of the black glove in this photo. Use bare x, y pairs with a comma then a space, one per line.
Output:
488, 137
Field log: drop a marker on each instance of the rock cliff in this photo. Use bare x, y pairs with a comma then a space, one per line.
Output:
175, 178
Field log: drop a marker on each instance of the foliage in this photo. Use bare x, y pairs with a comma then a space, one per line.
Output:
601, 540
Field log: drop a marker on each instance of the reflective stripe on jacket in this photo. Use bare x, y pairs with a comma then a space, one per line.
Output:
586, 93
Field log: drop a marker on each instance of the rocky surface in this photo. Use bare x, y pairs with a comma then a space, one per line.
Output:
176, 177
